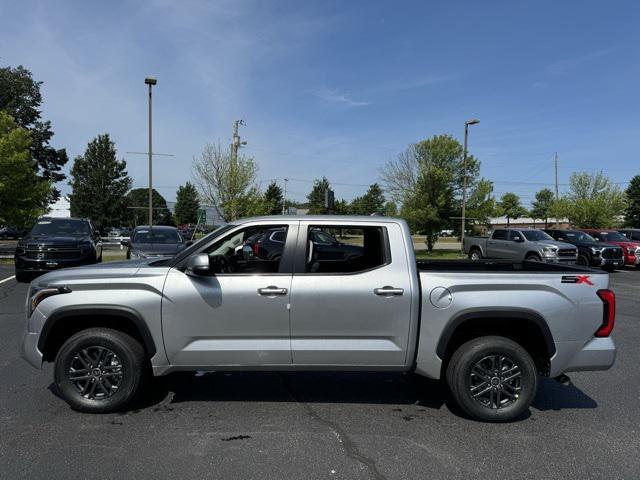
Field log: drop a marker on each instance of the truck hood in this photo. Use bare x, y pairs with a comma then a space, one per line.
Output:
102, 271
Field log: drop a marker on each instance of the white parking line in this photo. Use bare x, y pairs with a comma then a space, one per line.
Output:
7, 279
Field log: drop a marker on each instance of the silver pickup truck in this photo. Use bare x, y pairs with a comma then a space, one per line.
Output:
487, 328
520, 244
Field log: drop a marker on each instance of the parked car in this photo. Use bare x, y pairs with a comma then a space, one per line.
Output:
156, 241
268, 245
631, 233
56, 243
487, 328
590, 251
9, 233
520, 244
630, 248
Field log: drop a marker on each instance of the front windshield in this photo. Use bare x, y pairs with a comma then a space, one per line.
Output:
62, 227
612, 237
535, 235
579, 237
163, 236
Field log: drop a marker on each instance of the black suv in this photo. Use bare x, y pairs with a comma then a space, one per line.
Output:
590, 251
56, 243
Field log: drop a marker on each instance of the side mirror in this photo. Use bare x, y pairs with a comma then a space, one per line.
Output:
198, 265
188, 243
518, 239
125, 243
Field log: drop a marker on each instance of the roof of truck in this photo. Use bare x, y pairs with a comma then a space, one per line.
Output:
313, 218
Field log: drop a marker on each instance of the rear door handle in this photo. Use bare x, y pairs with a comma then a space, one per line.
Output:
388, 291
272, 290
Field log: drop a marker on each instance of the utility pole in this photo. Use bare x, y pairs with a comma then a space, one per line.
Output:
557, 191
236, 143
464, 180
151, 81
284, 197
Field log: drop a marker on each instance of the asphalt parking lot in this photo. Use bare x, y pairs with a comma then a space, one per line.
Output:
320, 425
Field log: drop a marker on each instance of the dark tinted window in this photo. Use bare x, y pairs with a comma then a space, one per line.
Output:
612, 237
279, 236
345, 249
157, 235
500, 235
62, 227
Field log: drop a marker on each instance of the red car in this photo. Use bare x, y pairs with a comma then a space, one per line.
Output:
630, 248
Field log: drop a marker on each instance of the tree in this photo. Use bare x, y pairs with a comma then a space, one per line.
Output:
187, 204
400, 176
390, 209
426, 179
23, 196
632, 213
226, 183
543, 204
137, 201
273, 199
481, 204
99, 183
428, 208
511, 207
593, 201
371, 202
316, 196
20, 97
341, 207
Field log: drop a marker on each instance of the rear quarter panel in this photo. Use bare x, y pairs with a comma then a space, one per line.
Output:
572, 311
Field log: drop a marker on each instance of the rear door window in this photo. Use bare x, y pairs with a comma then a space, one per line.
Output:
500, 235
346, 249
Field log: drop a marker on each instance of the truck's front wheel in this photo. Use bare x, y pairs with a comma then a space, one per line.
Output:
99, 370
492, 379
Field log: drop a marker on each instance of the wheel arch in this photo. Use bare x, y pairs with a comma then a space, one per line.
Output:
69, 321
525, 327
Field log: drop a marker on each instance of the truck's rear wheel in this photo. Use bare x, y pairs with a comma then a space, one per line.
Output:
99, 370
492, 379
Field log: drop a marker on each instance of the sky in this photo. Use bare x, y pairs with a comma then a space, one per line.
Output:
339, 88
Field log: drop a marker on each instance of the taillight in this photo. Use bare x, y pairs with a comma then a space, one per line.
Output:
609, 313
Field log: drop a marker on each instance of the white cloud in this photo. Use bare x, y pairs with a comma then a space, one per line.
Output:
333, 96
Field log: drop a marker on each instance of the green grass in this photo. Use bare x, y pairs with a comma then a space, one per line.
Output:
439, 255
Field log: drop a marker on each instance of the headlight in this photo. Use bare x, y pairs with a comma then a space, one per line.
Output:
596, 251
549, 251
137, 254
38, 295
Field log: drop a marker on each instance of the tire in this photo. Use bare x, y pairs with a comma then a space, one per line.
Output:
507, 400
123, 365
532, 257
475, 255
583, 261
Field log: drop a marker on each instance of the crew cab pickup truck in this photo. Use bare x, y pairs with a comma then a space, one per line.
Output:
487, 328
520, 244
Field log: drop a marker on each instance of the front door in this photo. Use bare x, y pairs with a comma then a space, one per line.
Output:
237, 316
354, 312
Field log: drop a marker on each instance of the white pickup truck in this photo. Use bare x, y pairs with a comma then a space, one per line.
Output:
487, 328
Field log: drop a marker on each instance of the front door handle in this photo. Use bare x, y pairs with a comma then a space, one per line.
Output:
388, 291
272, 290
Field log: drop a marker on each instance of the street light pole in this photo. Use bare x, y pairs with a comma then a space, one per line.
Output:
464, 180
150, 81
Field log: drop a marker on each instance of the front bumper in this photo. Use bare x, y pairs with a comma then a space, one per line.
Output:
608, 262
560, 260
631, 259
24, 264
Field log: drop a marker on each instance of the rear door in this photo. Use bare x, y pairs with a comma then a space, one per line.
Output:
355, 311
496, 244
